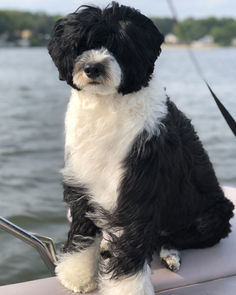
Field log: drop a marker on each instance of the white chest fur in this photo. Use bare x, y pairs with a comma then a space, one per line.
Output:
99, 134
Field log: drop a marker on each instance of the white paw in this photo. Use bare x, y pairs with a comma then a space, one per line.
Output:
78, 287
171, 259
77, 271
73, 276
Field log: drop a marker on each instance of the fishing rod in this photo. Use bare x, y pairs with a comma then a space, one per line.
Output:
227, 116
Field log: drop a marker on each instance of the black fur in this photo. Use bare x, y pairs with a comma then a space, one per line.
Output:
83, 230
130, 36
169, 195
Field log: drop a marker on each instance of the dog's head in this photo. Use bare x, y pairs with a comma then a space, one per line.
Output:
107, 50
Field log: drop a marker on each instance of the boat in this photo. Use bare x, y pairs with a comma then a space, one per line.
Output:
210, 271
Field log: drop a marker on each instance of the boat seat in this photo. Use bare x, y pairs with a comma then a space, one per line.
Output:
210, 271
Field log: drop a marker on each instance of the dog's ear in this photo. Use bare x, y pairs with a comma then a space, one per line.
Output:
62, 51
141, 41
154, 39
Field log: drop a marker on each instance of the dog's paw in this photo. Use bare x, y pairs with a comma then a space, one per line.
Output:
76, 286
75, 279
170, 258
77, 271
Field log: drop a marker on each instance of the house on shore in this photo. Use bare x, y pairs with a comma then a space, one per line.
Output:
206, 41
171, 39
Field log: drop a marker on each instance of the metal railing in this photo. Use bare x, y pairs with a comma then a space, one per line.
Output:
43, 245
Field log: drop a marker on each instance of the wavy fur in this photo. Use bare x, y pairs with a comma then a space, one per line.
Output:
136, 178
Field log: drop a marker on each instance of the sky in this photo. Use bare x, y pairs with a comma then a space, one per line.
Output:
185, 8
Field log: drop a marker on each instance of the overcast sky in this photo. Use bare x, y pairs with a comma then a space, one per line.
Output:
185, 8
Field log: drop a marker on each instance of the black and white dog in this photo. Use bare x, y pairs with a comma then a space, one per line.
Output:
136, 176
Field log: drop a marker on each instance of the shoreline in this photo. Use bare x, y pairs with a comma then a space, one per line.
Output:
194, 46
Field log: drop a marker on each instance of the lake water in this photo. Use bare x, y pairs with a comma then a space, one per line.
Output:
32, 106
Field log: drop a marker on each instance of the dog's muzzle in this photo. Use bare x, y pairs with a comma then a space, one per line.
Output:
94, 70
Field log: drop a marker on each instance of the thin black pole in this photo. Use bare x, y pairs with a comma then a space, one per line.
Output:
225, 113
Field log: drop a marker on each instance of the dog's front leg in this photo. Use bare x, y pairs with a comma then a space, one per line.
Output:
77, 270
78, 266
125, 270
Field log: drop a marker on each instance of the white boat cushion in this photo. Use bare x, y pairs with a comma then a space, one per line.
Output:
225, 286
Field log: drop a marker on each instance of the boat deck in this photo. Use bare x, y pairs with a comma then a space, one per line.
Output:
210, 271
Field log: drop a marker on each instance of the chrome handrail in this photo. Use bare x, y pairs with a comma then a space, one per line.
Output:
48, 242
43, 245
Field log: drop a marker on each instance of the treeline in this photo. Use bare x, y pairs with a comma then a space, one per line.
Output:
14, 25
222, 30
36, 27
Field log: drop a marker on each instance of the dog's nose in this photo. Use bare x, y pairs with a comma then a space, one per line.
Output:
94, 70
